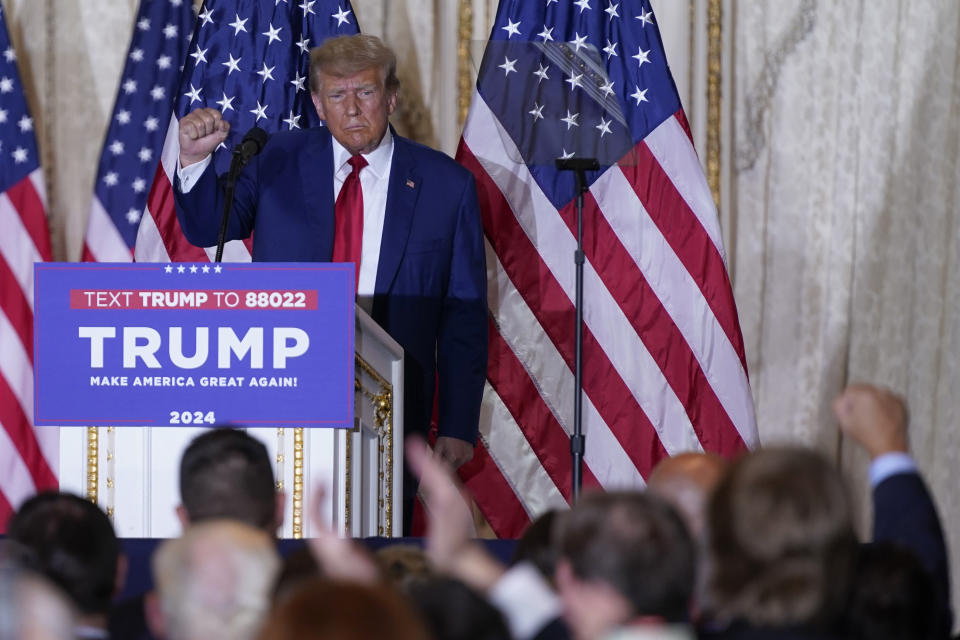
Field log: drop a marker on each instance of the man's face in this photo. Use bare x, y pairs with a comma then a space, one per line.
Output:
355, 108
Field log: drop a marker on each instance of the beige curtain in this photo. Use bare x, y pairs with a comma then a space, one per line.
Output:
847, 247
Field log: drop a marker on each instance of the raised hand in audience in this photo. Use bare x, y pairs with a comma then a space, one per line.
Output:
875, 418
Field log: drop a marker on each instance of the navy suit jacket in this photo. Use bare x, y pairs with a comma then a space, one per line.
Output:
430, 292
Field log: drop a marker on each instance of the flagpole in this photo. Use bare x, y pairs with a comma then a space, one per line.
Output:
579, 167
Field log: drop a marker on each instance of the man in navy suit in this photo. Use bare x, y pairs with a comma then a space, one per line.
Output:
421, 271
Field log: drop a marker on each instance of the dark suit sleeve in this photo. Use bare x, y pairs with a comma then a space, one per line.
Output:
199, 211
904, 514
462, 336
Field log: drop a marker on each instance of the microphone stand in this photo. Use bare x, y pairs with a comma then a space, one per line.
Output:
236, 163
579, 166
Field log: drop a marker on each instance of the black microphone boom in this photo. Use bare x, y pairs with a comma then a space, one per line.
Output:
250, 146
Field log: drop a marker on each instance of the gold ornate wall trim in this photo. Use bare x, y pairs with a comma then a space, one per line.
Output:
382, 401
93, 463
714, 94
298, 452
464, 77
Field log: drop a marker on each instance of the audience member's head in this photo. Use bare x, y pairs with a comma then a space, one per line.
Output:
401, 563
892, 597
454, 611
536, 545
781, 541
335, 610
226, 473
623, 555
214, 582
686, 481
32, 609
71, 542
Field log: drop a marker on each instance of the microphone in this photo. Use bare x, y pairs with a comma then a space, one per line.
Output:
250, 146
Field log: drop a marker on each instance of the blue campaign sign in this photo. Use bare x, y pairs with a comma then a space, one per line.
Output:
264, 344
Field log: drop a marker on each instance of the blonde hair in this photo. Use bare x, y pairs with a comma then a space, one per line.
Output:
346, 55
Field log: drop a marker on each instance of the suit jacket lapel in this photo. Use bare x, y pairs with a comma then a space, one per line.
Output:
316, 179
402, 192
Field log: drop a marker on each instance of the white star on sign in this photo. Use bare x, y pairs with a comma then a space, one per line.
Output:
110, 179
231, 64
217, 269
575, 80
206, 268
340, 15
133, 216
260, 111
168, 268
610, 49
583, 4
200, 55
116, 147
536, 112
298, 81
293, 121
226, 103
578, 41
571, 120
19, 155
604, 127
642, 56
25, 123
206, 16
181, 268
541, 74
272, 34
508, 66
645, 18
512, 28
194, 94
145, 154
546, 34
238, 26
193, 268
612, 10
639, 96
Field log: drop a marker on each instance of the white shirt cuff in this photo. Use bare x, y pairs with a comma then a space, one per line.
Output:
189, 176
526, 600
890, 464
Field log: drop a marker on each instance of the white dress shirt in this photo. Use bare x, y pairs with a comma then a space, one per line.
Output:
374, 181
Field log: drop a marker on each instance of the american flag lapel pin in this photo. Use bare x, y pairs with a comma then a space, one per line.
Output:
410, 184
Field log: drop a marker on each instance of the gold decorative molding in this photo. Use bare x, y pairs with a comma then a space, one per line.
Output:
714, 94
382, 401
281, 458
298, 450
464, 77
93, 463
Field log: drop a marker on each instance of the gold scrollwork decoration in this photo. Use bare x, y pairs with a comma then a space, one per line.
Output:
714, 94
464, 77
382, 402
298, 452
93, 463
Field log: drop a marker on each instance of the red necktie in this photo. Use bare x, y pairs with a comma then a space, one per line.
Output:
348, 214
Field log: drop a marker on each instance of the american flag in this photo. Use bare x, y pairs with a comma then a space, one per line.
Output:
131, 149
28, 456
250, 60
664, 365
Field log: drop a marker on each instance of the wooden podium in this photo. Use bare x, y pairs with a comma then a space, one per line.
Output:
133, 472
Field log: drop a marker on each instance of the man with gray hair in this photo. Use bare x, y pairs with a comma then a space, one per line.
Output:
213, 582
354, 191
